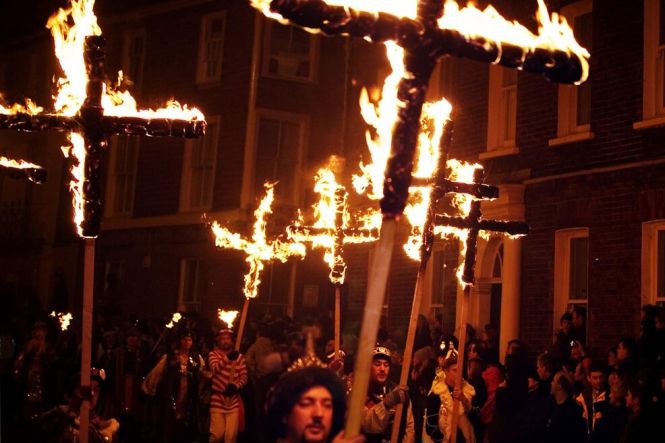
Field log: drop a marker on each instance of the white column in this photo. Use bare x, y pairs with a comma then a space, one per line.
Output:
510, 293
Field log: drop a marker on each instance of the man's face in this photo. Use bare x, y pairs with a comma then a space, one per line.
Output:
380, 370
473, 352
597, 380
224, 341
566, 326
311, 418
554, 389
513, 348
578, 320
622, 352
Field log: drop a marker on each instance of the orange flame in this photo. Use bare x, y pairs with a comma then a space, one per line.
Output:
554, 33
174, 320
258, 250
29, 107
64, 319
227, 317
17, 164
326, 225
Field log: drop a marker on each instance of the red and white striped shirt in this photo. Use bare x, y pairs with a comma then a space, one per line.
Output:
225, 371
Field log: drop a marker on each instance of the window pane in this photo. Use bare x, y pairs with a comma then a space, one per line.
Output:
660, 266
278, 155
289, 51
509, 111
579, 255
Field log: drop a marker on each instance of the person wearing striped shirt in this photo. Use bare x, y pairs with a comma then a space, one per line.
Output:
229, 375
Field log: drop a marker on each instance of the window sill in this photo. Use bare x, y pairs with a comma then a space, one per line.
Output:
571, 138
499, 152
651, 122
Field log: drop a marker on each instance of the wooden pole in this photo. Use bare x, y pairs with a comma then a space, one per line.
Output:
408, 348
241, 327
376, 290
86, 333
338, 300
460, 359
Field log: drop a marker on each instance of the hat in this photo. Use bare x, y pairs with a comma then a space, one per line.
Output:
382, 352
224, 331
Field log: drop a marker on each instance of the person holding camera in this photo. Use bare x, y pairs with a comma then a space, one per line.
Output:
229, 375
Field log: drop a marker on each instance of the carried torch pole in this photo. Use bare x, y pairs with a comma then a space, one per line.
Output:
241, 326
425, 254
86, 334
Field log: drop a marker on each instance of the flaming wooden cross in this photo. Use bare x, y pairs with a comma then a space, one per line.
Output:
19, 169
91, 112
331, 229
258, 250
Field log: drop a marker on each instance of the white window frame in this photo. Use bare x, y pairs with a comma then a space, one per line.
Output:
212, 136
653, 112
202, 75
303, 121
129, 38
313, 55
112, 183
568, 131
562, 240
649, 291
193, 303
499, 110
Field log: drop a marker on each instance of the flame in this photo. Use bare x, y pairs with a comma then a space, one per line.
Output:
227, 317
381, 117
69, 28
432, 120
29, 107
174, 319
17, 164
332, 198
553, 31
64, 319
258, 250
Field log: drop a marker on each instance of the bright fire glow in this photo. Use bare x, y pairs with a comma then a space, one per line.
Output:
174, 320
69, 28
64, 319
554, 33
381, 117
227, 317
332, 199
28, 108
17, 164
258, 250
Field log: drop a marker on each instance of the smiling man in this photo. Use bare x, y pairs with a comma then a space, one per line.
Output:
308, 406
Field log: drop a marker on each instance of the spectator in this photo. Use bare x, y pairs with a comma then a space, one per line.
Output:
609, 427
444, 387
638, 428
565, 423
563, 338
579, 324
539, 400
595, 397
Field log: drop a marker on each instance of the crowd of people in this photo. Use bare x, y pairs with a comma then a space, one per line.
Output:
188, 383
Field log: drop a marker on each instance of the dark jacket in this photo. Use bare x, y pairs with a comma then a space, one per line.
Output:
566, 424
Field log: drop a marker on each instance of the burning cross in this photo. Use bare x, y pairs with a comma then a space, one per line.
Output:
89, 127
331, 229
258, 249
473, 222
